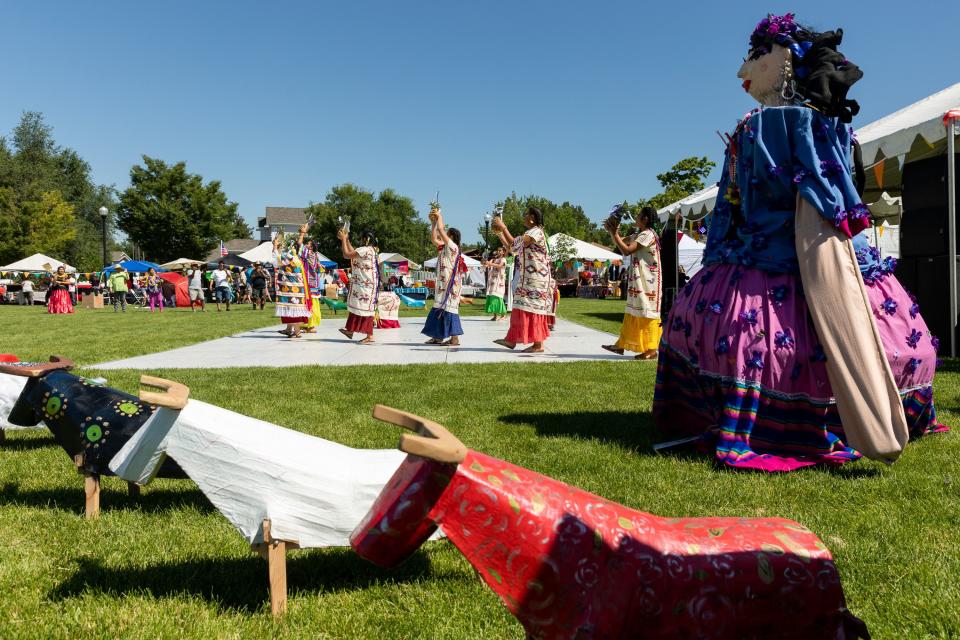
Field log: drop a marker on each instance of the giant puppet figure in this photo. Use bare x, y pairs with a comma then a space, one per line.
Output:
779, 354
572, 565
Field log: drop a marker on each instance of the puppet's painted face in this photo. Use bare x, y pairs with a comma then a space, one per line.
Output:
762, 75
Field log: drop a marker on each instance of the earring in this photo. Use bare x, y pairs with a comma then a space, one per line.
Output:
788, 88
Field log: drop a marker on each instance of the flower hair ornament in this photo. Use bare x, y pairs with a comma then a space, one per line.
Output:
816, 74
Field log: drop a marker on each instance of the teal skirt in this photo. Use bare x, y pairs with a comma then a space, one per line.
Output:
495, 305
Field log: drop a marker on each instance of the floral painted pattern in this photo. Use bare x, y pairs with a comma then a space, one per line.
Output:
569, 564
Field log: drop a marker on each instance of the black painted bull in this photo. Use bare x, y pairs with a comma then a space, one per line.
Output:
91, 422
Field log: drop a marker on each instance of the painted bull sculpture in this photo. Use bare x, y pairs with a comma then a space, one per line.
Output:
89, 421
571, 565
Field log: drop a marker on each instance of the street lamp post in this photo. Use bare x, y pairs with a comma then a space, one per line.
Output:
486, 231
103, 228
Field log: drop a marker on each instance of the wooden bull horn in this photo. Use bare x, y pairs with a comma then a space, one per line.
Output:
432, 441
173, 396
35, 369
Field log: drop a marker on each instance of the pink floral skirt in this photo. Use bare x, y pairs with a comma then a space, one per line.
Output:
59, 302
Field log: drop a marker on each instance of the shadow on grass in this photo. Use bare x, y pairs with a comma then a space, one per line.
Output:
616, 316
113, 496
27, 444
632, 430
239, 584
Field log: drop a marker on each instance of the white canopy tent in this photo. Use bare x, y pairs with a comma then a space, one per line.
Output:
696, 206
181, 263
470, 262
263, 253
37, 262
584, 250
399, 257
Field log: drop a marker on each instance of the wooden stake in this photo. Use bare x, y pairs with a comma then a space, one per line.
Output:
3, 436
91, 487
133, 489
277, 567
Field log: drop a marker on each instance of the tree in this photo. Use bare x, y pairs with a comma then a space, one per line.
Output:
35, 167
392, 217
170, 213
557, 218
684, 178
49, 224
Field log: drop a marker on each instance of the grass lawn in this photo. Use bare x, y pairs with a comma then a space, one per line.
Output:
169, 566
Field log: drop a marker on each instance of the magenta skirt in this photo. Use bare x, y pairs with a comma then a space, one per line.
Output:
59, 302
741, 365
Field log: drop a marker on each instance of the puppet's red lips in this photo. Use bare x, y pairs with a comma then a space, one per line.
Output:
746, 85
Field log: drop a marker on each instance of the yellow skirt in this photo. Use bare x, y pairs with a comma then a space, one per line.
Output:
639, 334
314, 312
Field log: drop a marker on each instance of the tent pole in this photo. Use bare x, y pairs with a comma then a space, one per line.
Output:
876, 236
948, 122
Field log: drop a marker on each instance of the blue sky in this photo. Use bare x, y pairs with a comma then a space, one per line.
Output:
584, 102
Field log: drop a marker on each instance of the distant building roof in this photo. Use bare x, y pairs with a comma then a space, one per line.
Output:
237, 246
118, 256
284, 215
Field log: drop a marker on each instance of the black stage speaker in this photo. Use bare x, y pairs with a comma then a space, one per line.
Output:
923, 230
668, 267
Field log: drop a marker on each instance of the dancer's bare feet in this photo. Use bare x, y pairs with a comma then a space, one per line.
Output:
433, 341
367, 340
349, 334
647, 355
452, 342
536, 347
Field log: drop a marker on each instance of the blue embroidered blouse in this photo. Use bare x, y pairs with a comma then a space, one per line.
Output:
782, 151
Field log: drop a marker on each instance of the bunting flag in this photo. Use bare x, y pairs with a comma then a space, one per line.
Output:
881, 230
878, 173
223, 250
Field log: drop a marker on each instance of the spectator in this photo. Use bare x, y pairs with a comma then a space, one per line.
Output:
26, 291
118, 285
682, 277
220, 285
195, 288
258, 285
243, 291
154, 291
169, 291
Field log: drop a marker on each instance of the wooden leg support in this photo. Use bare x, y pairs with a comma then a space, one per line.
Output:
277, 567
91, 487
3, 436
133, 489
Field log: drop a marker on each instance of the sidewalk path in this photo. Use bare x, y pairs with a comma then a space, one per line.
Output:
266, 348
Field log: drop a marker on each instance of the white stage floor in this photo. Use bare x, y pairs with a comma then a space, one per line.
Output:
267, 348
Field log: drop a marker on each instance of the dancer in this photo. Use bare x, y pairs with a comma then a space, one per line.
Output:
314, 271
293, 296
364, 285
533, 292
641, 328
443, 322
153, 284
775, 353
58, 298
496, 284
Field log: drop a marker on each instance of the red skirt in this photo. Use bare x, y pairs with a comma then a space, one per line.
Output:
59, 302
359, 324
526, 327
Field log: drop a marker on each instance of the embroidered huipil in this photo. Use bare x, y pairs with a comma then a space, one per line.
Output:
496, 279
782, 152
291, 285
447, 293
644, 288
364, 275
533, 291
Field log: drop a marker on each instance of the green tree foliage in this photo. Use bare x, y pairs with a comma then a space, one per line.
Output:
50, 227
683, 178
392, 217
170, 213
37, 175
557, 218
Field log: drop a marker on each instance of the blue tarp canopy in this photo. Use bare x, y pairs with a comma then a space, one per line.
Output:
135, 266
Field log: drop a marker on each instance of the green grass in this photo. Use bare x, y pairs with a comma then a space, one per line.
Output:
169, 566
